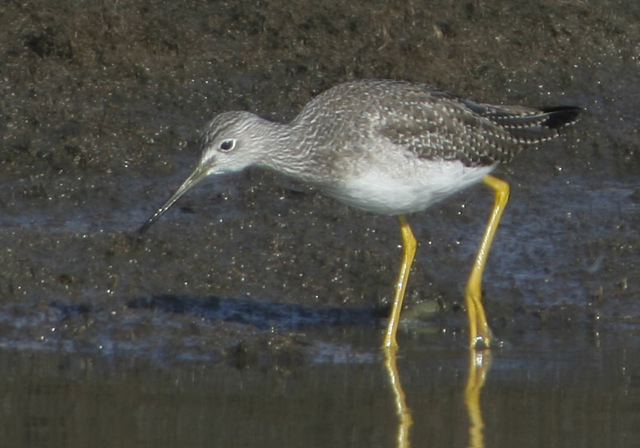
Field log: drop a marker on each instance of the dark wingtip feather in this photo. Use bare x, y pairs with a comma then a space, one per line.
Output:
561, 116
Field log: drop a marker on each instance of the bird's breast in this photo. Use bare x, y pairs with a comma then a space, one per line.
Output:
401, 188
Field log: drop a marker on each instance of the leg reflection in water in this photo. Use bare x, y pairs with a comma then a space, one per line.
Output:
479, 365
402, 410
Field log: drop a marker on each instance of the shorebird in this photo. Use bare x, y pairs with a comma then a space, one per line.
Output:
387, 147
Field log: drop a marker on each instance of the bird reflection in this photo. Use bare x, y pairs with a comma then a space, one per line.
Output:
478, 369
479, 365
405, 421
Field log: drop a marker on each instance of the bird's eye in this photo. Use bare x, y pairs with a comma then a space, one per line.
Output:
227, 145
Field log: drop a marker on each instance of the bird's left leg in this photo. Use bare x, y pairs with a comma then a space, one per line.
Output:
479, 331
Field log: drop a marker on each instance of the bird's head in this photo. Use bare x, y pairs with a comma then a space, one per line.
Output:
231, 142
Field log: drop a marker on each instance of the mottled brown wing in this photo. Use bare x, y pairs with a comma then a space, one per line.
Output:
440, 126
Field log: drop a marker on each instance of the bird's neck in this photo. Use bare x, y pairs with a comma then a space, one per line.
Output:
285, 153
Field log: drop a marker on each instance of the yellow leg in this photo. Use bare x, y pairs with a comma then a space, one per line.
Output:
405, 421
409, 243
479, 332
479, 365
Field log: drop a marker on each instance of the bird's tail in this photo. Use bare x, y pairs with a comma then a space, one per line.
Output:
533, 125
560, 116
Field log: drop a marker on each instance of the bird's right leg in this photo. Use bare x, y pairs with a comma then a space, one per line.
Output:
409, 244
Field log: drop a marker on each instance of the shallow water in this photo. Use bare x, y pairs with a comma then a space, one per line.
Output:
582, 392
251, 315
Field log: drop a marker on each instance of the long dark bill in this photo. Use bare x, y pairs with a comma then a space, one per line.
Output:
195, 177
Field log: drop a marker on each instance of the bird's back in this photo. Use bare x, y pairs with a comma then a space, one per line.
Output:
432, 124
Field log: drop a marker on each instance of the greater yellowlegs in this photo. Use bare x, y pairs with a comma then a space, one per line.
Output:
388, 147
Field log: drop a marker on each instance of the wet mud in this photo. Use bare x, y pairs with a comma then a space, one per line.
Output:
100, 108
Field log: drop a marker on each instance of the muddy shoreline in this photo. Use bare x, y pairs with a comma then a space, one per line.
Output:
99, 115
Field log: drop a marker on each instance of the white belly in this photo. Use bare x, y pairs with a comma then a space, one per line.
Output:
412, 187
